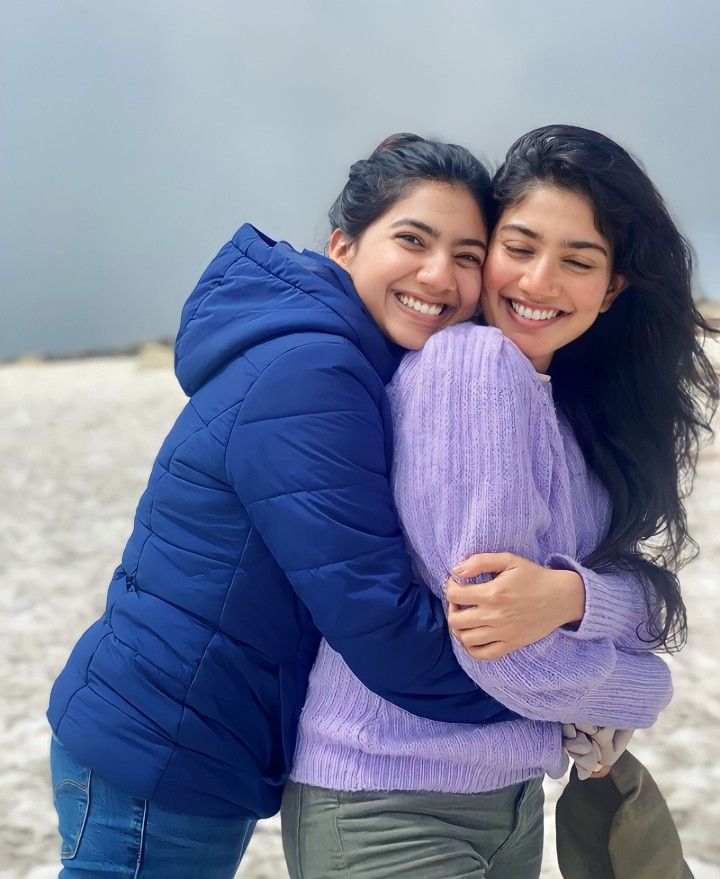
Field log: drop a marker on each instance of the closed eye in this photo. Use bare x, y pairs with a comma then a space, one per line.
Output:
517, 251
578, 264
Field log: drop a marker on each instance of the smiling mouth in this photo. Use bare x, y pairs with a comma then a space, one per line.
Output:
434, 309
538, 315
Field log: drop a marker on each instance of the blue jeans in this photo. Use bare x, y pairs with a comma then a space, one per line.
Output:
107, 832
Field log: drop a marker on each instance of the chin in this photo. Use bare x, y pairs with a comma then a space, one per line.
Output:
411, 341
407, 337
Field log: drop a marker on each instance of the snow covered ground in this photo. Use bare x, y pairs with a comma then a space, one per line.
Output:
76, 442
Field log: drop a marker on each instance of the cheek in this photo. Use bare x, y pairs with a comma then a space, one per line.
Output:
396, 265
365, 278
593, 296
495, 275
470, 301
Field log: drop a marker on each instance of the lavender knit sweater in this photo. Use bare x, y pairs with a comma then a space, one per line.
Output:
483, 463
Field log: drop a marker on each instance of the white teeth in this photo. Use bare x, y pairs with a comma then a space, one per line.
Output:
532, 314
422, 307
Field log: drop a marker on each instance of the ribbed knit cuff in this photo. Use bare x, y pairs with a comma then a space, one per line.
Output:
607, 614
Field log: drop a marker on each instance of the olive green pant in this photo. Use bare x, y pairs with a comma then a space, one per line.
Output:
328, 834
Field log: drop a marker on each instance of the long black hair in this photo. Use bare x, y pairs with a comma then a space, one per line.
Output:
637, 387
395, 168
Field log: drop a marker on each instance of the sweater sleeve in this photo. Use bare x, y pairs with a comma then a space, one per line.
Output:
615, 605
309, 459
479, 467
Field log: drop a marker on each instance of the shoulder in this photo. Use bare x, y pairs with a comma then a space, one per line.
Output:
310, 353
312, 372
478, 355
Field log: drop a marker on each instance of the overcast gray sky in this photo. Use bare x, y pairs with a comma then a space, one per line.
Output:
136, 135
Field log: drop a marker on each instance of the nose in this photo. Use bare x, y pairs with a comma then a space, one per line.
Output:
539, 280
437, 272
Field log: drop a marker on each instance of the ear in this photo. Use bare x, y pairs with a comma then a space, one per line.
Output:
341, 248
618, 283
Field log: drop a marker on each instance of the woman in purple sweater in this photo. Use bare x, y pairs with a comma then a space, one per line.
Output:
555, 441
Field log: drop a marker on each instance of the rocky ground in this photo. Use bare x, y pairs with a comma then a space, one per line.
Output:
76, 444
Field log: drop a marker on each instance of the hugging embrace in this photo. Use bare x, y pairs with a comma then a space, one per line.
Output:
469, 415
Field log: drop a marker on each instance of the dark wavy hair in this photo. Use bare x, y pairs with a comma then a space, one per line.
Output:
395, 168
637, 387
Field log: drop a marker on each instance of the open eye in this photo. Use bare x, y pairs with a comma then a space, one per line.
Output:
470, 259
410, 238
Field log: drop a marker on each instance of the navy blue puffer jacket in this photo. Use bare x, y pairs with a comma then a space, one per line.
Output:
267, 519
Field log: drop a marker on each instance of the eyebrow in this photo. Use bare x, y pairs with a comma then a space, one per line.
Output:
572, 245
433, 233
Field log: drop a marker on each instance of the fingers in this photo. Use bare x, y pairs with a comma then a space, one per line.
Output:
466, 594
493, 650
478, 641
453, 613
595, 749
461, 617
475, 636
456, 595
484, 563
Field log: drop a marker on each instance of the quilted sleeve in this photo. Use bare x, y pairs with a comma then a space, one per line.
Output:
308, 458
491, 479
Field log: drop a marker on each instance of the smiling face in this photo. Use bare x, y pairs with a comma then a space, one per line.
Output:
549, 272
417, 268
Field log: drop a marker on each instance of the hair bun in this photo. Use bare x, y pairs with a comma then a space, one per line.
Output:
394, 142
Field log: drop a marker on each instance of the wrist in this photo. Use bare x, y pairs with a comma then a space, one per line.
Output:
570, 590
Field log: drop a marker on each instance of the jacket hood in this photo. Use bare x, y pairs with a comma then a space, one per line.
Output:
257, 289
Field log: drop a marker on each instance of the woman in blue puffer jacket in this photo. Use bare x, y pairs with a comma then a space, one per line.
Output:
268, 520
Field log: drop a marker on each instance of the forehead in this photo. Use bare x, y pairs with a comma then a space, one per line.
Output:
443, 200
555, 214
